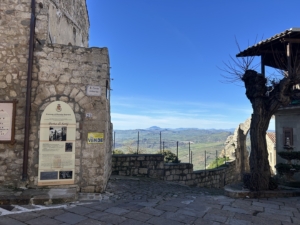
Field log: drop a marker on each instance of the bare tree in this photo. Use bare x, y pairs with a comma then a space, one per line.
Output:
235, 67
266, 96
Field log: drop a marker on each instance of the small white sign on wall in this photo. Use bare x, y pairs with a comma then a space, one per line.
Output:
93, 90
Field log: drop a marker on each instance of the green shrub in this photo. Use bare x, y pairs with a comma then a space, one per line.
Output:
290, 155
217, 162
170, 157
117, 151
283, 168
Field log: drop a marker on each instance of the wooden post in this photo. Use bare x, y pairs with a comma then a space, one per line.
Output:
262, 65
289, 58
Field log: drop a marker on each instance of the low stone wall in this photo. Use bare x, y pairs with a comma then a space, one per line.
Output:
154, 166
150, 165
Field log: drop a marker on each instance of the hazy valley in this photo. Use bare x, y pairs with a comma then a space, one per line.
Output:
201, 140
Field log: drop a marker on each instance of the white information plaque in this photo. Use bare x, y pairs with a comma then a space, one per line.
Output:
7, 121
57, 145
93, 90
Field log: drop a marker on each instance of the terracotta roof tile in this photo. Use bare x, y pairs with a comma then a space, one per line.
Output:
272, 136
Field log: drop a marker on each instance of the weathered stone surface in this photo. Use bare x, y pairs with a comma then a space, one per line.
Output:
12, 93
65, 78
129, 165
57, 75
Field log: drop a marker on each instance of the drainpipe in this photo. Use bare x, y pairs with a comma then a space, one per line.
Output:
28, 92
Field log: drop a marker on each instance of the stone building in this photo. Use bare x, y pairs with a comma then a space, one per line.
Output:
237, 148
46, 65
287, 127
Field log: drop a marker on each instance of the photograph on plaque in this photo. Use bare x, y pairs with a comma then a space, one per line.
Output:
69, 147
57, 133
65, 175
7, 121
48, 175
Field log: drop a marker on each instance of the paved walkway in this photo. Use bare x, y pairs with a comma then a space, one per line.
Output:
136, 201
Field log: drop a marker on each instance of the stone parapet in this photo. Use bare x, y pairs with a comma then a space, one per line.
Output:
153, 166
150, 165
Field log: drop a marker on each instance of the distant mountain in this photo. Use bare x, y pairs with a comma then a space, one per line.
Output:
155, 139
154, 128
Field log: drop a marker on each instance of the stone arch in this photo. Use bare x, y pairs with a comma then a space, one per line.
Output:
46, 93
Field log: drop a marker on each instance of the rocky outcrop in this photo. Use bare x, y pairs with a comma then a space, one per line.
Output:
235, 148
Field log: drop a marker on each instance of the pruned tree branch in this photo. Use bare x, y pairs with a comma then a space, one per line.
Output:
235, 68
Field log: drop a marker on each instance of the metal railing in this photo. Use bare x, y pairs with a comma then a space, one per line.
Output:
186, 151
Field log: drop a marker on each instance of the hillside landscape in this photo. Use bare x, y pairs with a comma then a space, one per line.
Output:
201, 140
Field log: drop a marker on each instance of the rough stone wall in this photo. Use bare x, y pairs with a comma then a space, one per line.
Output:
138, 165
235, 148
62, 73
215, 178
68, 22
153, 166
14, 36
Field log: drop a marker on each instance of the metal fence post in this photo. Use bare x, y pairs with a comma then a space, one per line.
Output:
217, 158
163, 147
114, 140
138, 143
160, 141
205, 160
177, 151
189, 152
191, 157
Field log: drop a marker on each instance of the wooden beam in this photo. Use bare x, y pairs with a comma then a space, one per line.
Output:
260, 52
262, 65
291, 40
289, 58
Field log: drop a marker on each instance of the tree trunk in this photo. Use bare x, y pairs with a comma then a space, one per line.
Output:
264, 106
259, 163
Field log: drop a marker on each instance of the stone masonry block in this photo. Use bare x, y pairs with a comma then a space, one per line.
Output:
74, 92
169, 178
123, 173
145, 163
88, 189
143, 171
83, 101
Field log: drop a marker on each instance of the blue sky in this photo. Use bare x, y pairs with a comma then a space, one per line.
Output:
165, 54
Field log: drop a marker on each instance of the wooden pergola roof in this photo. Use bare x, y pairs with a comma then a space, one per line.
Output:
280, 51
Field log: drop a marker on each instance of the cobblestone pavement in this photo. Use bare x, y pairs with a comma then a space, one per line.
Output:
136, 201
